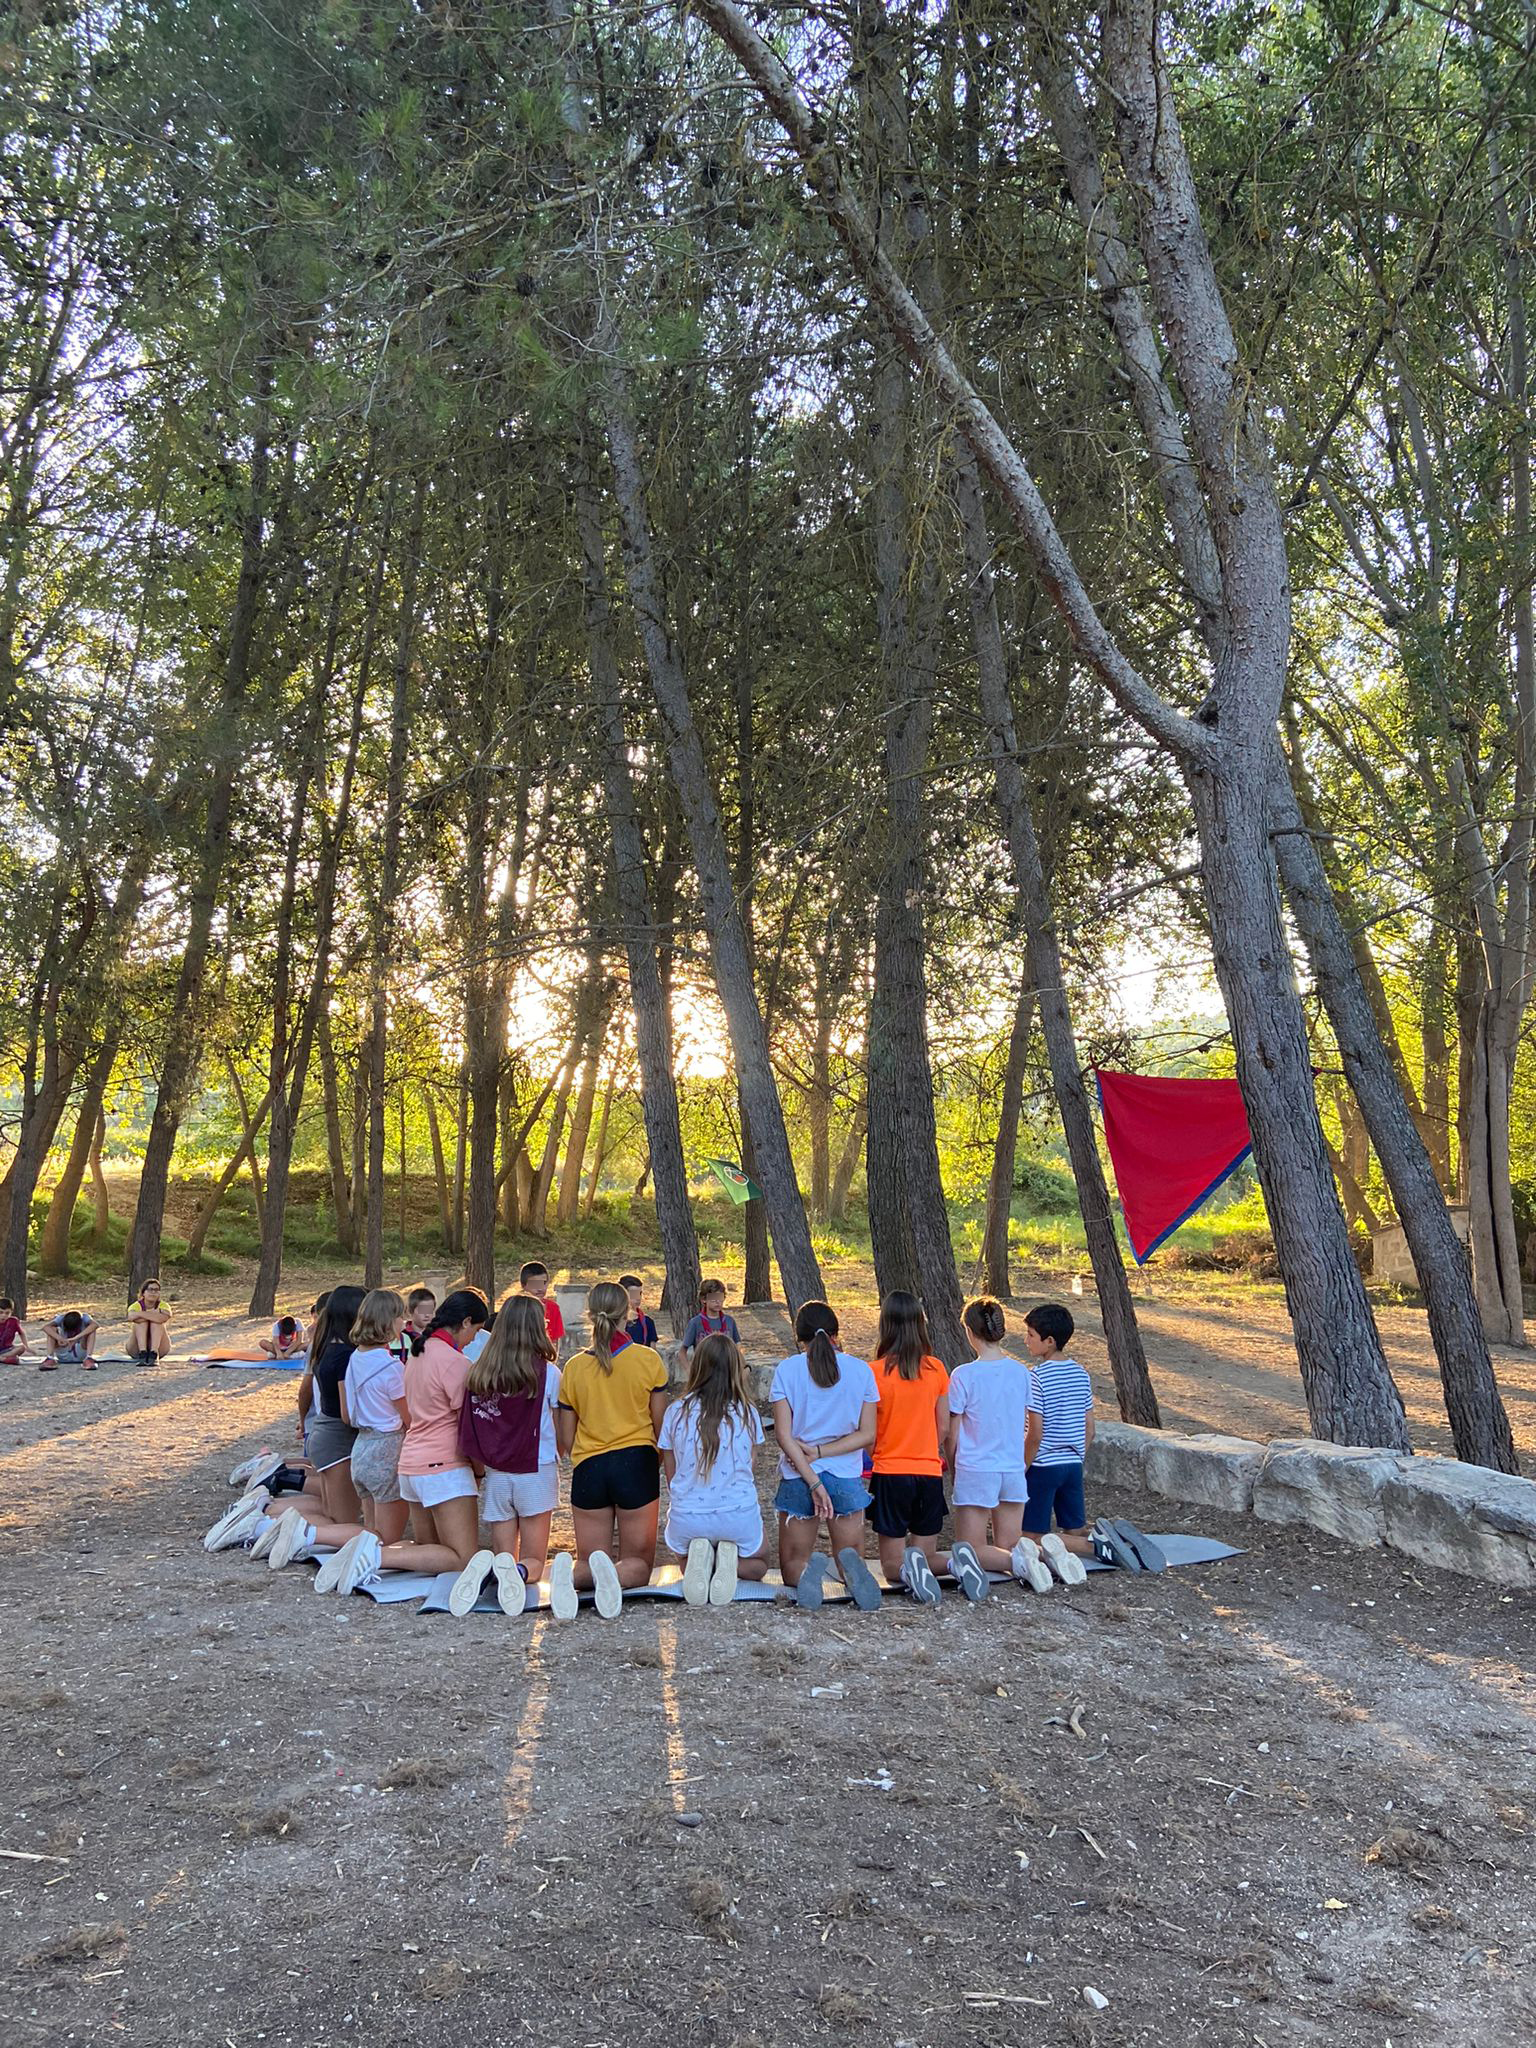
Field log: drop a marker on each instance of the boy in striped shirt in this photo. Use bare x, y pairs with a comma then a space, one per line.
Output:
1055, 1477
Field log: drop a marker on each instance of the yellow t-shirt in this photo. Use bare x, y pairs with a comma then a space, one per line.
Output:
612, 1409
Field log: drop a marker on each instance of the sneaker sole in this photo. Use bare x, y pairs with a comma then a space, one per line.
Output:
511, 1586
917, 1576
722, 1585
1036, 1574
1119, 1550
290, 1539
328, 1578
1148, 1554
466, 1587
863, 1586
362, 1564
811, 1589
966, 1569
563, 1602
228, 1530
607, 1593
1068, 1568
698, 1571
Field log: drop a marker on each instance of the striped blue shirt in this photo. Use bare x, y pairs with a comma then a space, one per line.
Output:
1066, 1395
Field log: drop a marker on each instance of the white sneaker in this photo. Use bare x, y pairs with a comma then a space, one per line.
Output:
259, 1465
236, 1523
722, 1587
607, 1593
328, 1578
1030, 1567
363, 1563
562, 1587
698, 1571
466, 1587
295, 1541
267, 1469
1068, 1567
511, 1586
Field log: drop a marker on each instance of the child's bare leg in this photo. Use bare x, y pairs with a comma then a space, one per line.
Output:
847, 1534
892, 1550
753, 1567
530, 1543
636, 1558
1078, 1541
797, 1539
340, 1495
594, 1529
447, 1542
971, 1526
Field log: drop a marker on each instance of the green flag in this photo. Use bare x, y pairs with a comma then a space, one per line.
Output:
734, 1181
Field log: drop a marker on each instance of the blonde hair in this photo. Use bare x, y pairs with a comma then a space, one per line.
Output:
513, 1361
381, 1308
608, 1307
717, 1393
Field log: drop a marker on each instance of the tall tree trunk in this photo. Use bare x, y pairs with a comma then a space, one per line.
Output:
849, 1157
647, 992
439, 1169
53, 1256
537, 1219
798, 1267
1436, 1091
599, 1145
1122, 1333
101, 1225
385, 926
995, 1276
252, 1132
818, 1104
581, 1126
184, 1035
341, 1197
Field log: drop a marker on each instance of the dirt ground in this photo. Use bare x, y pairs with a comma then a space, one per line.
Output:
1302, 1807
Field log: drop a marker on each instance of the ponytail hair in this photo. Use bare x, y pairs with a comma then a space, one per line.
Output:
520, 1349
903, 1339
815, 1333
608, 1310
984, 1318
464, 1305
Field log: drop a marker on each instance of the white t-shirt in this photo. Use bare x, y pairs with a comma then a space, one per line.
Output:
375, 1381
817, 1414
549, 1450
992, 1398
730, 1487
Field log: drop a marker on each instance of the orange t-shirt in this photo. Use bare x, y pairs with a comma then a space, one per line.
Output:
906, 1428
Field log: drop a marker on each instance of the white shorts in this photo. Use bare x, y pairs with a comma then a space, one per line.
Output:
741, 1526
431, 1489
988, 1489
511, 1496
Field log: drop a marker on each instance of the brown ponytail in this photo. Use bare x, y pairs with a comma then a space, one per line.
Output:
608, 1309
984, 1318
815, 1332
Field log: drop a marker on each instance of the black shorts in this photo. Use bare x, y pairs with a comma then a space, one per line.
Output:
907, 1503
623, 1480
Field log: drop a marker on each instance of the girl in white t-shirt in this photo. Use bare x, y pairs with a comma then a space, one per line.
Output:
373, 1402
824, 1403
994, 1431
708, 1440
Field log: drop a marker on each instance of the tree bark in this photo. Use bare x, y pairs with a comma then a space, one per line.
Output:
995, 1276
53, 1256
599, 1147
647, 994
101, 1226
439, 1169
341, 1198
798, 1267
848, 1158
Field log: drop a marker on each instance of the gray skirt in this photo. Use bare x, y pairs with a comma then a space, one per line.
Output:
330, 1441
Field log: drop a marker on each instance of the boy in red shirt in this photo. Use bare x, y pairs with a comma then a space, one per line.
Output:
534, 1280
13, 1334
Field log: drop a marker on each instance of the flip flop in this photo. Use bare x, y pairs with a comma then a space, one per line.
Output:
863, 1586
698, 1572
1148, 1552
965, 1566
466, 1587
1029, 1567
812, 1586
607, 1593
722, 1584
1113, 1548
1068, 1568
511, 1586
562, 1587
917, 1576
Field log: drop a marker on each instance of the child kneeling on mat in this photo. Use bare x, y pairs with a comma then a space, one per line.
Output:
708, 1439
507, 1431
824, 1403
1055, 1476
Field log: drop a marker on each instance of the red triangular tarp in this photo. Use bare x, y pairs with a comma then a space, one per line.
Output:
1171, 1143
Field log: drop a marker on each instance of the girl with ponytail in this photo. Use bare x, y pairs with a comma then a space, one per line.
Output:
824, 1407
612, 1399
708, 1442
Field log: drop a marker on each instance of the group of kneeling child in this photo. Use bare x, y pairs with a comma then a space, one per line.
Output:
442, 1415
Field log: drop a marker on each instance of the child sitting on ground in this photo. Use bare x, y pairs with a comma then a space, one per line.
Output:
286, 1340
150, 1337
507, 1431
708, 1441
13, 1332
70, 1338
911, 1424
711, 1321
639, 1329
994, 1429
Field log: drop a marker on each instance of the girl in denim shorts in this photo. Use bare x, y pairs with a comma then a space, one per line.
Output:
824, 1403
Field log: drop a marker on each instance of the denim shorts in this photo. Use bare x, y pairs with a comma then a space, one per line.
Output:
848, 1496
